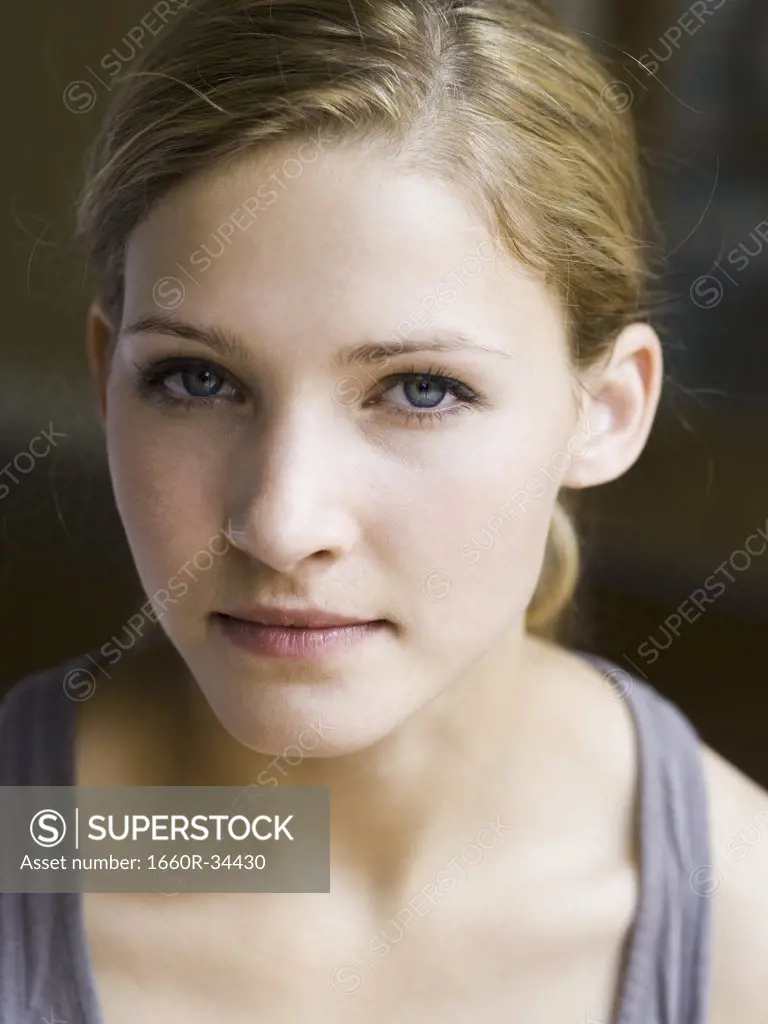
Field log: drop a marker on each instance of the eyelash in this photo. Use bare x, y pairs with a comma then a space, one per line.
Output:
150, 382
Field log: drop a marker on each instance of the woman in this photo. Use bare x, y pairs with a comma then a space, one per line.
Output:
370, 303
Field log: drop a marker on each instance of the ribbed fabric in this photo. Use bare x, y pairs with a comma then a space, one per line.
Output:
45, 975
45, 971
667, 970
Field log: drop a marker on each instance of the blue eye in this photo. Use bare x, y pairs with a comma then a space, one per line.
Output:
425, 392
425, 396
185, 382
201, 383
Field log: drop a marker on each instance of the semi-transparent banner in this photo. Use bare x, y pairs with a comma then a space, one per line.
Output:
164, 839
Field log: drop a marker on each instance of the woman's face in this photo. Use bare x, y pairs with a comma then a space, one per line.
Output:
331, 390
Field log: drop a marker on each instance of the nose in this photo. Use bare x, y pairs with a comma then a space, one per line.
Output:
294, 494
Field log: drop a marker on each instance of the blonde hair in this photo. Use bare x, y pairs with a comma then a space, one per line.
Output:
494, 95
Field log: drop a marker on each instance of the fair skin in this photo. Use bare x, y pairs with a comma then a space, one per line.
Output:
446, 718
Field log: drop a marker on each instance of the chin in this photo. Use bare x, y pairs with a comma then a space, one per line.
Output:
297, 720
295, 710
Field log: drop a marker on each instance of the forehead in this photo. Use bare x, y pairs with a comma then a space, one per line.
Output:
304, 242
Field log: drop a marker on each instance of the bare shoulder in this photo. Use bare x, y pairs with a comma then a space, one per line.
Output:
736, 880
739, 890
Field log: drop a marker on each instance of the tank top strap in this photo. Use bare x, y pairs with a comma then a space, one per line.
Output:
36, 723
667, 965
44, 970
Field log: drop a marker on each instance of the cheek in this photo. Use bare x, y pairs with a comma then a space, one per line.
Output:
478, 531
166, 489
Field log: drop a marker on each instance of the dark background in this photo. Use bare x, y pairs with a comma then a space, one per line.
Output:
651, 539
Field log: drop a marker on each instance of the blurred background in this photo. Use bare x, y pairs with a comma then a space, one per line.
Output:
676, 553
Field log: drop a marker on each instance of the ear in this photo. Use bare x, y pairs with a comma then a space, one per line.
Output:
100, 340
619, 402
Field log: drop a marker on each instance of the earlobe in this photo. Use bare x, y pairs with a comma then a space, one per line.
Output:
620, 402
100, 335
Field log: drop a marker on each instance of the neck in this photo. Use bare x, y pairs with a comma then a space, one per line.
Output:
453, 763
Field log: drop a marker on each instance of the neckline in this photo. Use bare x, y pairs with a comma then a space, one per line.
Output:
633, 969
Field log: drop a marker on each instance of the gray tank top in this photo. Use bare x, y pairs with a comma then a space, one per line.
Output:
45, 969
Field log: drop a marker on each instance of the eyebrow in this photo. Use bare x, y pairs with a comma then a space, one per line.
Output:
228, 344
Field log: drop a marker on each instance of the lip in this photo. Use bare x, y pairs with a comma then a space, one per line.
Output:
296, 618
303, 643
